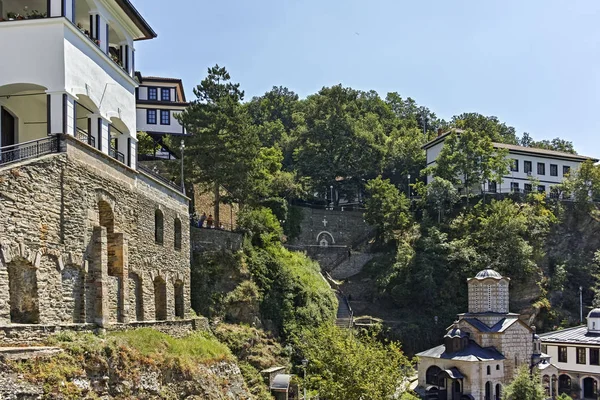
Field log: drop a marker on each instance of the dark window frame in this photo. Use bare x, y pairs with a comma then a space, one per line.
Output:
155, 91
159, 227
514, 165
541, 188
594, 356
514, 187
151, 116
541, 168
563, 354
553, 169
162, 94
528, 188
527, 166
566, 170
581, 357
165, 120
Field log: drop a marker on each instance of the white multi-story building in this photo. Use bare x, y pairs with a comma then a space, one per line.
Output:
159, 100
576, 354
546, 167
85, 86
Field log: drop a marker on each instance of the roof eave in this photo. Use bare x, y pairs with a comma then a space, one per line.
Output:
139, 21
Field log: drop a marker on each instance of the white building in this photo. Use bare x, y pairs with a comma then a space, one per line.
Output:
159, 100
547, 167
576, 354
70, 70
483, 349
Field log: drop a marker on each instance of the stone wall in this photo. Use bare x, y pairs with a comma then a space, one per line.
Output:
38, 334
329, 227
75, 228
215, 239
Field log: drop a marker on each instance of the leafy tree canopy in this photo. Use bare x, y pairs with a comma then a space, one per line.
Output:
343, 365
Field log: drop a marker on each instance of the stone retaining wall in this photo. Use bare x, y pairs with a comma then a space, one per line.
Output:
36, 334
72, 222
203, 239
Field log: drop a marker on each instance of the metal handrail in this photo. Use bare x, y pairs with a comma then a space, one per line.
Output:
30, 149
158, 177
85, 137
117, 155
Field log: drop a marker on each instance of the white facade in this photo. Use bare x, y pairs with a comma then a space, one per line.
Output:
576, 354
548, 167
72, 73
155, 98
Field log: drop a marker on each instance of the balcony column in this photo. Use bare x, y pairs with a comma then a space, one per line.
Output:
122, 146
99, 29
61, 113
62, 8
132, 156
126, 54
100, 131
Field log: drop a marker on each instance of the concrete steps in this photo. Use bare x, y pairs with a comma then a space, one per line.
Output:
344, 315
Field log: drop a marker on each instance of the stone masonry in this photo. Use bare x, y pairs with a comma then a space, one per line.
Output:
85, 239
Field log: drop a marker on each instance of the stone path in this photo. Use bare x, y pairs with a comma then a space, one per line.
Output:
25, 353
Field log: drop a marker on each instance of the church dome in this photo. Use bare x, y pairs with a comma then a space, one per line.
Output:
593, 320
488, 273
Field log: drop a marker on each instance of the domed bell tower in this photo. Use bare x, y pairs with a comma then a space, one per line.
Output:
488, 295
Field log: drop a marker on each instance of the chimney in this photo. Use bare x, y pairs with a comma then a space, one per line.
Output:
440, 131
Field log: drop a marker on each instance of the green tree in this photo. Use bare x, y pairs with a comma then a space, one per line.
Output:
386, 208
442, 195
342, 139
224, 148
343, 365
525, 386
146, 144
503, 234
490, 126
470, 157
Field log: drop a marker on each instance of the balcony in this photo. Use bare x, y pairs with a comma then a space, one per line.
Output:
16, 10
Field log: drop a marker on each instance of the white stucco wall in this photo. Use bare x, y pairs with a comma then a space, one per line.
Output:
89, 72
36, 49
142, 125
571, 364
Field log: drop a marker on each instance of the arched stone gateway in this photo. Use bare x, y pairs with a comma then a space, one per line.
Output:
160, 298
325, 239
179, 299
23, 291
136, 297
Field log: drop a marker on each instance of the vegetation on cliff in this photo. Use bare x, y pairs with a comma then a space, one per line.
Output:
141, 364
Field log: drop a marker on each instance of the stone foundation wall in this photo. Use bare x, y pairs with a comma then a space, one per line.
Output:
215, 239
75, 227
340, 228
37, 334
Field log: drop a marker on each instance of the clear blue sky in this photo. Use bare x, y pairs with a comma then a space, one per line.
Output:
535, 64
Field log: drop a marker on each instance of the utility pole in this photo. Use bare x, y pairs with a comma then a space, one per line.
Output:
304, 364
580, 304
182, 147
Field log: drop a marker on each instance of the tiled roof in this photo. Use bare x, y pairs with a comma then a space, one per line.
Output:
543, 152
473, 352
578, 334
499, 327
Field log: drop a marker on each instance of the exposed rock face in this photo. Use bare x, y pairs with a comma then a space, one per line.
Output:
84, 239
220, 381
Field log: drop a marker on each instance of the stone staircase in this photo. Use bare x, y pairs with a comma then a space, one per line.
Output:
344, 313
